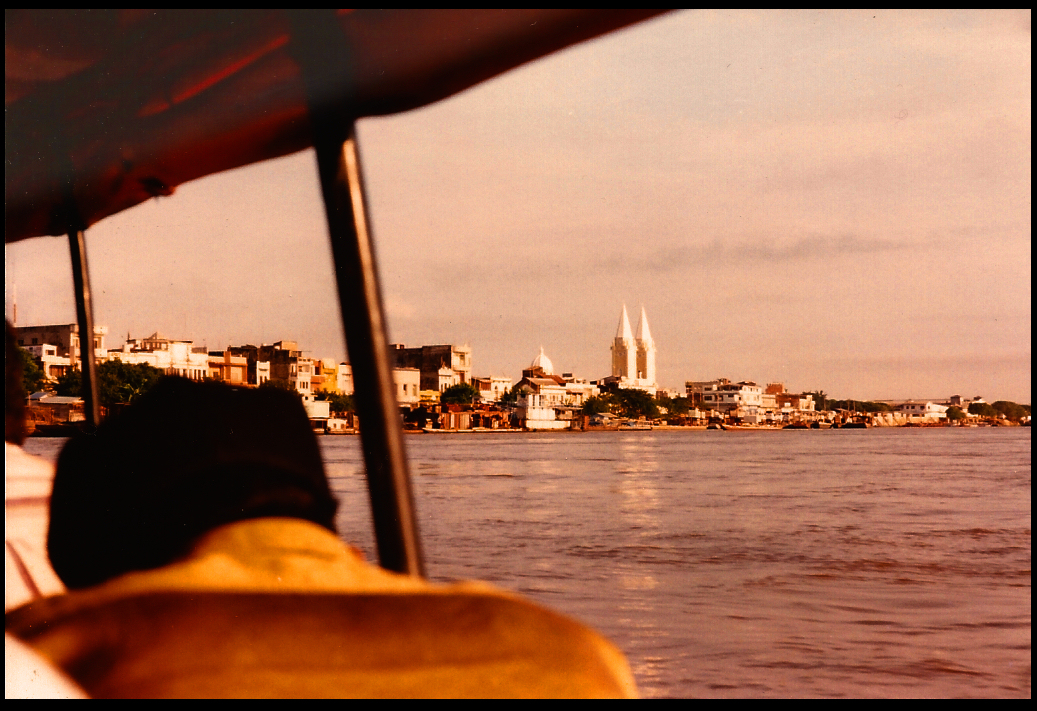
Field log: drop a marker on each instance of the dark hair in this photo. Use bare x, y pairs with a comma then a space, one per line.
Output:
14, 392
184, 459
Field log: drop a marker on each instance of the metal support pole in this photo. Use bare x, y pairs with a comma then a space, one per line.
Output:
85, 318
381, 428
316, 44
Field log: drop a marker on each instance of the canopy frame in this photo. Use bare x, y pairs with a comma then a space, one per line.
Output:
360, 298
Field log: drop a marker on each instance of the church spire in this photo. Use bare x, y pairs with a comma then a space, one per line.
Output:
624, 349
643, 334
624, 331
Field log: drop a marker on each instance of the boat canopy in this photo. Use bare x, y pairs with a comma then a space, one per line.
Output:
108, 108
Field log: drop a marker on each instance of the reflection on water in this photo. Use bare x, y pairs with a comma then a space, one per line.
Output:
857, 563
809, 563
636, 465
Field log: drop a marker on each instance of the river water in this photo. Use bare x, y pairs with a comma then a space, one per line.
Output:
879, 563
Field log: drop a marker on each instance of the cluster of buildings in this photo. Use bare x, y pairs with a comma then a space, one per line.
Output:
752, 404
420, 375
546, 399
749, 402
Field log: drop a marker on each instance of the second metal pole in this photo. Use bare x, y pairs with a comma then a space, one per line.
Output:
381, 427
85, 318
325, 63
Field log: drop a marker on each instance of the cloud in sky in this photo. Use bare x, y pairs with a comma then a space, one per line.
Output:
822, 198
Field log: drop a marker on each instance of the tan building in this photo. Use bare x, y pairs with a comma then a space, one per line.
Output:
65, 338
228, 368
440, 366
492, 389
407, 381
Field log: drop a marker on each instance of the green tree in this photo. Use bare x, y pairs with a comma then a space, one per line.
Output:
955, 413
982, 409
125, 382
340, 403
278, 384
1011, 410
820, 399
117, 382
460, 394
680, 406
595, 406
32, 376
70, 383
635, 403
511, 397
858, 405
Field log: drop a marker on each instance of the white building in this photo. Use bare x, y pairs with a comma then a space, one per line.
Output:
262, 372
408, 385
916, 411
300, 375
317, 409
535, 414
745, 400
555, 390
633, 357
172, 357
344, 378
52, 364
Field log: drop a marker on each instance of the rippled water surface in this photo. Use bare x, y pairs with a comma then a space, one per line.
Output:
881, 562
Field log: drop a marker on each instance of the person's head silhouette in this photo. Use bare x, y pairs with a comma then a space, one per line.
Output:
186, 458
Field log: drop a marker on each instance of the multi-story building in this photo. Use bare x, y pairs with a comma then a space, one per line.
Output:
325, 375
749, 401
493, 388
555, 390
228, 368
916, 411
796, 404
407, 381
171, 356
64, 337
408, 386
440, 366
744, 399
280, 361
52, 365
696, 390
344, 378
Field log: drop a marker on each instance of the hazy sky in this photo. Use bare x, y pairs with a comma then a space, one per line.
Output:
835, 200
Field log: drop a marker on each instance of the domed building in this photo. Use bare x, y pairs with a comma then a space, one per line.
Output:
540, 366
550, 401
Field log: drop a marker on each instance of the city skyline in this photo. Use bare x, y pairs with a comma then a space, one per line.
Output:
836, 201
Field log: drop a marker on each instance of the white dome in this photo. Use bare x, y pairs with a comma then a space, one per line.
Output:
543, 362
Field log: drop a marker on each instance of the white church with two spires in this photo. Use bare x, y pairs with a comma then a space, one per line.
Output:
633, 356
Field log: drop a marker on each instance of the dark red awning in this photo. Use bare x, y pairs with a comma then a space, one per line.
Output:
124, 105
